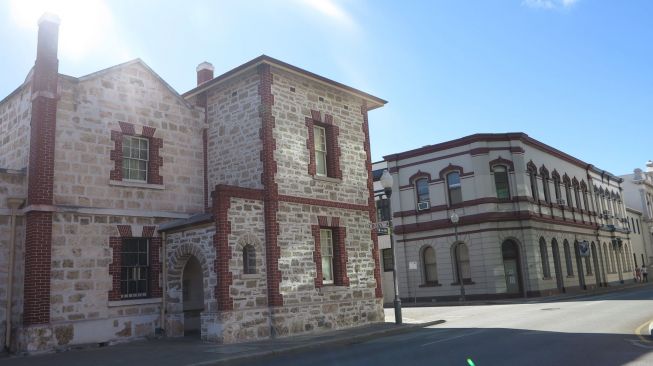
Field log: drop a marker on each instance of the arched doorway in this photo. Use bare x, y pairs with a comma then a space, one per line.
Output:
595, 259
511, 267
557, 265
579, 265
193, 296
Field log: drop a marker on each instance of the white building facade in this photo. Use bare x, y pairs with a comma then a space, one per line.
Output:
638, 195
533, 221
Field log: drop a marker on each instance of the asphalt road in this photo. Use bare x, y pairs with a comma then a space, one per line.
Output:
598, 330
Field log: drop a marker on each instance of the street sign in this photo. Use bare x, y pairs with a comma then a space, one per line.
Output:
412, 265
380, 225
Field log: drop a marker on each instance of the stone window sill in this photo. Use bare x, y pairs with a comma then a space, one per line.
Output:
327, 179
250, 276
465, 282
156, 300
333, 288
430, 284
132, 184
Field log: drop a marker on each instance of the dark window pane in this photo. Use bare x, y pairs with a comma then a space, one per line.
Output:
388, 263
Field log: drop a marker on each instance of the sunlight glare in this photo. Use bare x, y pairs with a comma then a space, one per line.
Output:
83, 22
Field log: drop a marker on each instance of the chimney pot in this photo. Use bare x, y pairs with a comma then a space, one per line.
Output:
49, 18
204, 72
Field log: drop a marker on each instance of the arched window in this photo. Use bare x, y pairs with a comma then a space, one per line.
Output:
556, 186
453, 185
249, 259
568, 261
606, 258
461, 255
430, 267
628, 256
612, 263
577, 195
624, 267
588, 266
532, 176
544, 256
545, 184
501, 182
422, 189
570, 201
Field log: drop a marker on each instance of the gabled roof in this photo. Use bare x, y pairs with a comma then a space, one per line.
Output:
136, 61
374, 102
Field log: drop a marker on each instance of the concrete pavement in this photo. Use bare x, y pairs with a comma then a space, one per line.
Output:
193, 352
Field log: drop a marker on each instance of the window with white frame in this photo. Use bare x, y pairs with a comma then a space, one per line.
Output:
461, 258
326, 250
135, 269
422, 188
430, 265
454, 187
135, 158
320, 150
249, 259
501, 182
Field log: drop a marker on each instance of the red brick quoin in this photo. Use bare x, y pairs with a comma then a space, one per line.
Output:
221, 205
38, 239
340, 277
115, 243
155, 145
333, 148
271, 190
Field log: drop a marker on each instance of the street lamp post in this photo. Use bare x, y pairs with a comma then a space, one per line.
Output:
386, 182
454, 220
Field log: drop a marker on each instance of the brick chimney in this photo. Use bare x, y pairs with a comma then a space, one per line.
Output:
40, 184
204, 72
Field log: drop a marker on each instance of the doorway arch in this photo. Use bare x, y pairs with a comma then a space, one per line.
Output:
192, 284
557, 265
579, 266
595, 259
512, 267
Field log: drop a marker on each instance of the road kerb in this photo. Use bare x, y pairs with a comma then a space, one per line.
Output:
648, 326
311, 345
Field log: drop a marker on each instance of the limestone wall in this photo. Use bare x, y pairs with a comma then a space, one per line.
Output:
234, 141
15, 114
90, 109
197, 242
290, 109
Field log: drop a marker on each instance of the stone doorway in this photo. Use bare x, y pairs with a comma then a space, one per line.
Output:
512, 267
192, 285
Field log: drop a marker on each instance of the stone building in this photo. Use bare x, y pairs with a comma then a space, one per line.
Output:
238, 210
533, 220
638, 194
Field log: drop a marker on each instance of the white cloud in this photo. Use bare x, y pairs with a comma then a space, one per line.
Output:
332, 10
549, 4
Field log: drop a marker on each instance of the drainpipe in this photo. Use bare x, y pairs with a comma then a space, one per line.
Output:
164, 285
13, 204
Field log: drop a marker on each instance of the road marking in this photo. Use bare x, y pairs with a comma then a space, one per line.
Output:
638, 332
454, 337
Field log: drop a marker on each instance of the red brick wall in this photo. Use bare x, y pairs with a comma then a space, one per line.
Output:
38, 240
271, 191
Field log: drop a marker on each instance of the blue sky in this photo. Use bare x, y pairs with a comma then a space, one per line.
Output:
575, 74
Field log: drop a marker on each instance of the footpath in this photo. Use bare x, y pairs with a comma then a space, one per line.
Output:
530, 300
189, 351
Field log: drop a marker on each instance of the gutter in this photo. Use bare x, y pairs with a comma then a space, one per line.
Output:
164, 280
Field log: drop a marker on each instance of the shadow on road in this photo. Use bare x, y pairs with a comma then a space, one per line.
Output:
483, 346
